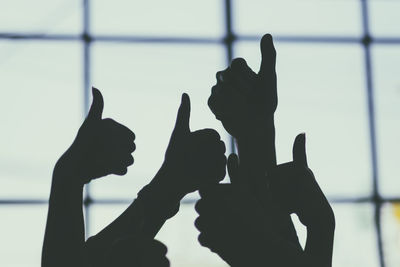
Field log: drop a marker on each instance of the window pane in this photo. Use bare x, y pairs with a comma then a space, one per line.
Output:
22, 232
391, 234
311, 17
384, 17
386, 60
321, 92
355, 239
102, 215
40, 103
41, 16
165, 18
142, 86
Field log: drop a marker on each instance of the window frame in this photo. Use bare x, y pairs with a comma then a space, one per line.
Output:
228, 40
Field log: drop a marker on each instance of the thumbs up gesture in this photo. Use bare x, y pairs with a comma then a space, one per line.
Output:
102, 146
193, 159
243, 100
294, 188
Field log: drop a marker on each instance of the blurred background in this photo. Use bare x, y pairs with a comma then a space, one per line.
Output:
338, 71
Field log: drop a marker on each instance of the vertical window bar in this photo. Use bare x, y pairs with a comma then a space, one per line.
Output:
228, 41
86, 91
372, 127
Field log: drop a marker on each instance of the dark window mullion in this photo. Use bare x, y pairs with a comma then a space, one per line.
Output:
86, 91
372, 128
228, 41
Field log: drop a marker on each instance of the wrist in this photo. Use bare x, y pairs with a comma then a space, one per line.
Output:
162, 190
257, 130
323, 225
66, 173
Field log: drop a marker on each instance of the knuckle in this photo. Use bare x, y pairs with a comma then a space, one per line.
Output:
197, 206
238, 63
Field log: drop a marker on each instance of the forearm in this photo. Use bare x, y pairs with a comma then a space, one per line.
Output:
257, 147
319, 245
153, 206
64, 235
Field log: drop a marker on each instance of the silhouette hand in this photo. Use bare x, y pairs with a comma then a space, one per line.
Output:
137, 251
243, 100
294, 188
193, 159
102, 146
233, 224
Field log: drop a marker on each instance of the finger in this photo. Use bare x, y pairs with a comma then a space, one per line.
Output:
268, 56
159, 247
131, 147
220, 75
234, 82
96, 109
198, 223
116, 149
206, 134
222, 167
233, 168
299, 150
240, 68
183, 117
211, 192
129, 160
118, 130
120, 160
120, 171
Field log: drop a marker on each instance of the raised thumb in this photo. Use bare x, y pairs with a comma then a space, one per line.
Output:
233, 168
183, 117
299, 150
96, 109
268, 56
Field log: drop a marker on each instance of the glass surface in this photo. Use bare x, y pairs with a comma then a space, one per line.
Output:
292, 17
384, 18
142, 86
162, 18
102, 215
391, 234
41, 106
321, 92
41, 16
355, 236
22, 233
386, 64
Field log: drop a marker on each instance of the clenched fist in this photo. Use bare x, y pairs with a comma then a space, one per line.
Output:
193, 159
102, 146
243, 100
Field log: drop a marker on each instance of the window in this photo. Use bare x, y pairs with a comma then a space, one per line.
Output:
338, 81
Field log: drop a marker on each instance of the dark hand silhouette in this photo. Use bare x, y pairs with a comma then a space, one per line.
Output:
233, 224
137, 251
245, 103
102, 146
193, 159
295, 190
243, 100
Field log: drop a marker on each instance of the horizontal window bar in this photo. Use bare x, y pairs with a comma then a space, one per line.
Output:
171, 39
189, 201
